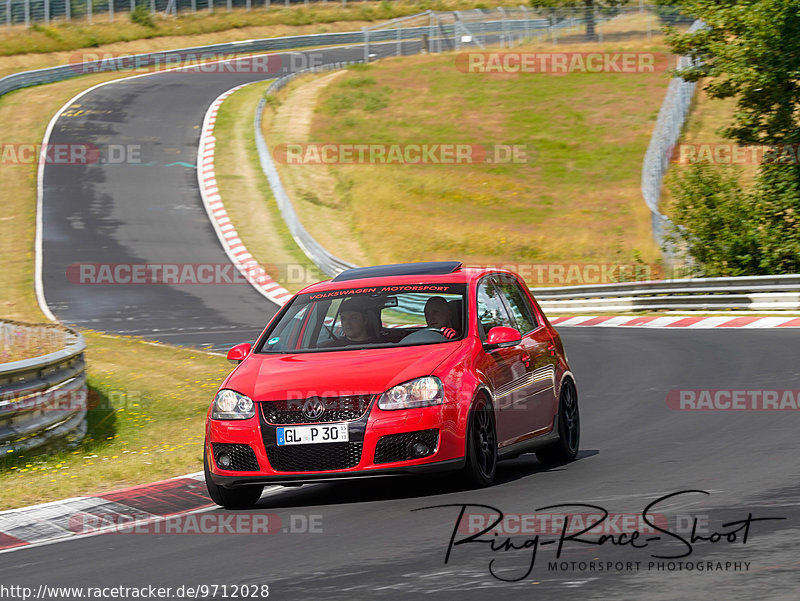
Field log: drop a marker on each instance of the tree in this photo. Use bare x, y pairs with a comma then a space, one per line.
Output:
589, 8
750, 51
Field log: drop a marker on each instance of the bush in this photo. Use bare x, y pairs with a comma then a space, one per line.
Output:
141, 15
729, 231
713, 221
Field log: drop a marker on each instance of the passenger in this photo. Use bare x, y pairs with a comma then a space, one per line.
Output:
437, 315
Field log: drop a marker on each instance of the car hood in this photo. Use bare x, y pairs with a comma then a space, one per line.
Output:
265, 377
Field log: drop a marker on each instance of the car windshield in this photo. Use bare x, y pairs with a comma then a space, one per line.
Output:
369, 317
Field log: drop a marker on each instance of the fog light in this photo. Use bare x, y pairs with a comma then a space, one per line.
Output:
224, 460
419, 449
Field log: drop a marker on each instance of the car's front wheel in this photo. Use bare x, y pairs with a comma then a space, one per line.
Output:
230, 498
569, 428
481, 445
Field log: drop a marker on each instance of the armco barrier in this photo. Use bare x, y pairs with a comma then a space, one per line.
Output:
44, 398
122, 63
754, 293
328, 263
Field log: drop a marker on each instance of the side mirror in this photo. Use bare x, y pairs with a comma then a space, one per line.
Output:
237, 354
502, 337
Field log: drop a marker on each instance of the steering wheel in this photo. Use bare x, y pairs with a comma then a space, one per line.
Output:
445, 332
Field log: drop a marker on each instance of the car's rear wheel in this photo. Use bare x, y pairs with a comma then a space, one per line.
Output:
481, 445
569, 428
230, 498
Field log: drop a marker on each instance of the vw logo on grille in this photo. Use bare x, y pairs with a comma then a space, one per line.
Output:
313, 409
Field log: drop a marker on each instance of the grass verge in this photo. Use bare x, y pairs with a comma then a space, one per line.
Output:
576, 198
150, 399
146, 420
248, 198
42, 46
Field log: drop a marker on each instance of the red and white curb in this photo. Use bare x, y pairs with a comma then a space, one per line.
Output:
60, 520
226, 232
678, 321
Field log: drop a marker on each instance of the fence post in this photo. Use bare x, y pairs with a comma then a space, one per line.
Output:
229, 5
366, 44
399, 40
598, 24
286, 2
47, 12
27, 13
89, 11
8, 13
267, 3
524, 10
247, 5
210, 6
110, 11
194, 6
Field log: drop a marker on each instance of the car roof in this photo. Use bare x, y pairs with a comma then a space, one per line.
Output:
444, 272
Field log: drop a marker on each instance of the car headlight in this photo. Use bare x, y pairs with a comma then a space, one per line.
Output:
229, 404
422, 392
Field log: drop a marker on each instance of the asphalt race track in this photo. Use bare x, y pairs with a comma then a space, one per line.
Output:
371, 543
149, 211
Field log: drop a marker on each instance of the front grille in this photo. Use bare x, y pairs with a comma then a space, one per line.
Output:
314, 457
243, 459
397, 447
335, 409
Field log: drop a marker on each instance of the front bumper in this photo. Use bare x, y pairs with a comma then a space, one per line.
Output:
364, 434
245, 478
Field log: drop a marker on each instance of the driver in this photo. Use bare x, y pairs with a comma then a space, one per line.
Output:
358, 323
437, 315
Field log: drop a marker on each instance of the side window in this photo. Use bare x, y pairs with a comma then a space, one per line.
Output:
519, 303
491, 310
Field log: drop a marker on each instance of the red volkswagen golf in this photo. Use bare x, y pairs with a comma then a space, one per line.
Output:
393, 369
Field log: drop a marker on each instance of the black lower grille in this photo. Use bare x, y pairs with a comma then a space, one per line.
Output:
314, 457
242, 457
397, 447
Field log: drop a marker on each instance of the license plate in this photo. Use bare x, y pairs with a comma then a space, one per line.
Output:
313, 434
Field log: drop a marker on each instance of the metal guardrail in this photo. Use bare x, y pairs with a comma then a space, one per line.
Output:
168, 58
328, 263
44, 398
752, 293
172, 57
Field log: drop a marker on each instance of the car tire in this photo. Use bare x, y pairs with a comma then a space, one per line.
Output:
569, 428
481, 464
230, 498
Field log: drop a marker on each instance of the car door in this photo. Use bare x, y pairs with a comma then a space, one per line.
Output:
506, 368
540, 349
